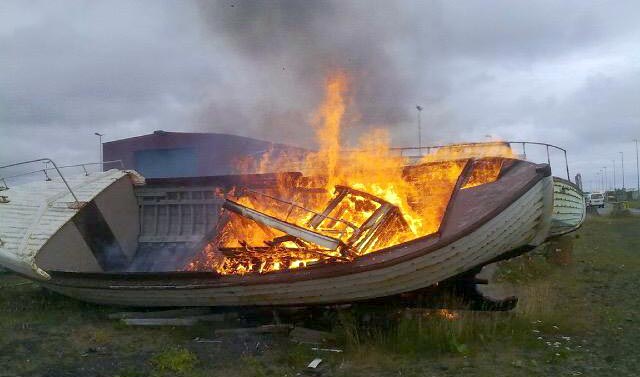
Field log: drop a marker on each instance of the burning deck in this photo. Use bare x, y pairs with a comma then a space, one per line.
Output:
325, 238
260, 233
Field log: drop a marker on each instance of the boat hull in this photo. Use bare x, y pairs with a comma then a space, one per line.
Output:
521, 223
480, 225
569, 208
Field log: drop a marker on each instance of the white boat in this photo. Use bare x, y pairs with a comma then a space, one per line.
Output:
569, 207
114, 238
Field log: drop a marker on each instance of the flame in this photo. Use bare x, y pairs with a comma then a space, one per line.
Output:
471, 150
420, 192
448, 314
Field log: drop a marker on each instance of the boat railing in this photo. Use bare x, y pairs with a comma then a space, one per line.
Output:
4, 179
419, 152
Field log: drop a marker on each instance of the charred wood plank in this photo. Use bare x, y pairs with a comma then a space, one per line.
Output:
283, 226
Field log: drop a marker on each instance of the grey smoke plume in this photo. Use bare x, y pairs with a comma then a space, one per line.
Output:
296, 44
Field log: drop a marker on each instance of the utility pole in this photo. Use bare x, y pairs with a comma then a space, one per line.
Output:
419, 108
614, 174
99, 135
622, 157
606, 179
637, 168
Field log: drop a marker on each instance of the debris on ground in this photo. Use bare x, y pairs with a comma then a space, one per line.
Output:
174, 313
202, 340
316, 367
264, 329
309, 336
327, 349
160, 321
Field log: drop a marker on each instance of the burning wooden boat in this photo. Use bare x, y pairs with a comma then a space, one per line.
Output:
272, 239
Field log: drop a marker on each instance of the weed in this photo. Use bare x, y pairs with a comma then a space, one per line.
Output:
254, 366
176, 360
130, 372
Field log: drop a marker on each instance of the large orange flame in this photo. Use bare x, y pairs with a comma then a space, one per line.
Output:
420, 192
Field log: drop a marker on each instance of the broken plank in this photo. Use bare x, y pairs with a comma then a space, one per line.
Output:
217, 317
283, 226
174, 313
327, 349
160, 321
265, 329
310, 336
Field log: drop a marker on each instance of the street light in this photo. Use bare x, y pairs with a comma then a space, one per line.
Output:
614, 174
99, 135
637, 168
419, 108
622, 157
606, 179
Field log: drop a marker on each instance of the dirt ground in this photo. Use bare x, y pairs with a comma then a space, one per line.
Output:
579, 314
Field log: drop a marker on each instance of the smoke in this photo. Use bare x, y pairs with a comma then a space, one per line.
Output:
290, 47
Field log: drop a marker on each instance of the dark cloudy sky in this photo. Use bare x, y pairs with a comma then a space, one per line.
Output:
563, 72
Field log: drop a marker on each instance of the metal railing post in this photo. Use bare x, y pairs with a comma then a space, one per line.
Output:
65, 181
548, 158
566, 163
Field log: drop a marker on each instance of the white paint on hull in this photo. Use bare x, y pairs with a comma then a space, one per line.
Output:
38, 210
569, 208
526, 221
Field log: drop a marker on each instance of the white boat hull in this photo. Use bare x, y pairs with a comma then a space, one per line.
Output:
569, 208
523, 223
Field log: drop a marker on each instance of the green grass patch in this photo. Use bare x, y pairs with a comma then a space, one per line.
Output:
634, 204
175, 360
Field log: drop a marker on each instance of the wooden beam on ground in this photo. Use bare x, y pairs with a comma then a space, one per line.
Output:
264, 329
174, 313
160, 321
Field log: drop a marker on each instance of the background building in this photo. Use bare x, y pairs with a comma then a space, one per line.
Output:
179, 154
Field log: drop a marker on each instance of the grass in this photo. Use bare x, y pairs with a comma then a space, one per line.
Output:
174, 361
577, 315
634, 204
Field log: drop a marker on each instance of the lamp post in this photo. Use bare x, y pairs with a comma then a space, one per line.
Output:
606, 179
419, 108
637, 168
614, 174
622, 159
99, 135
